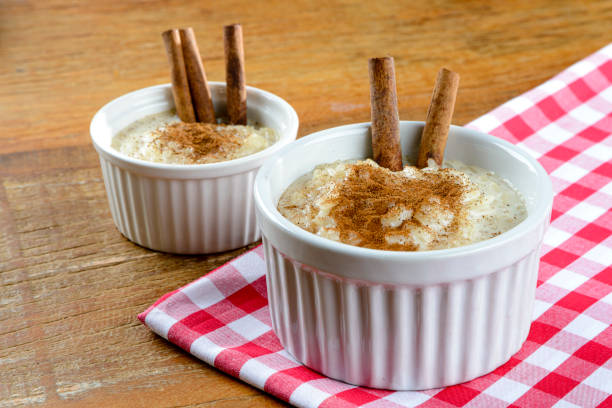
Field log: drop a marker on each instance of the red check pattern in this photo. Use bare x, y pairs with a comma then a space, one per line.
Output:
566, 123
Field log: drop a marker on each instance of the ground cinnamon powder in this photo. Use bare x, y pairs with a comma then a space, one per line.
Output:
368, 193
201, 139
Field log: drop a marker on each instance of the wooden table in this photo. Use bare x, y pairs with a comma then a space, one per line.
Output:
71, 285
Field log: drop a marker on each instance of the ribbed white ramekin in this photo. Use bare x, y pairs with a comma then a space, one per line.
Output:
185, 209
401, 320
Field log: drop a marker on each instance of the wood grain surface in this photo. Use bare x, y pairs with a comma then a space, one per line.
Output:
71, 285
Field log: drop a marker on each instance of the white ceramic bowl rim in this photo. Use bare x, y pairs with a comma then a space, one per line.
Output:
268, 209
212, 169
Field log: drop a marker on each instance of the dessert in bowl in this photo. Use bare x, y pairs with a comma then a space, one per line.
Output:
401, 319
164, 138
186, 208
362, 203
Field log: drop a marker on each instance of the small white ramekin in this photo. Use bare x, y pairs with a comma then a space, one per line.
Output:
401, 320
185, 209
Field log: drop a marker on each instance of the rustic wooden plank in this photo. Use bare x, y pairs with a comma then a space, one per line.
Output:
321, 67
71, 285
72, 331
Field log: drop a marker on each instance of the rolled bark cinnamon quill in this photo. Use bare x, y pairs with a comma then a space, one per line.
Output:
385, 118
180, 85
439, 115
235, 78
196, 77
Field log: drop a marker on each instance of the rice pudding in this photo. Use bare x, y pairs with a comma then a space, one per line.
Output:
360, 203
163, 138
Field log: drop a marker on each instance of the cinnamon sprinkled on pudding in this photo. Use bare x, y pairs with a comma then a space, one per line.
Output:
199, 140
162, 138
363, 204
372, 200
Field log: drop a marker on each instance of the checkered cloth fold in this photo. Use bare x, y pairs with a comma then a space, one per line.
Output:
566, 123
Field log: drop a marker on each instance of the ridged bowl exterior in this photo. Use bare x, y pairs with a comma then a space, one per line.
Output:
400, 337
186, 216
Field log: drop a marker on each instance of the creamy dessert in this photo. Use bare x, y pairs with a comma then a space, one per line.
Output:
360, 203
163, 138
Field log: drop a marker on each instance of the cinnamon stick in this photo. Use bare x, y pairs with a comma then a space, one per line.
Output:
439, 114
196, 76
235, 79
385, 118
180, 86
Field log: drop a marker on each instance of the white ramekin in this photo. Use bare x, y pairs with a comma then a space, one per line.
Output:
185, 209
401, 320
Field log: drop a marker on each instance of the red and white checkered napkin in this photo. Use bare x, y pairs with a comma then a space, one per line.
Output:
566, 123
